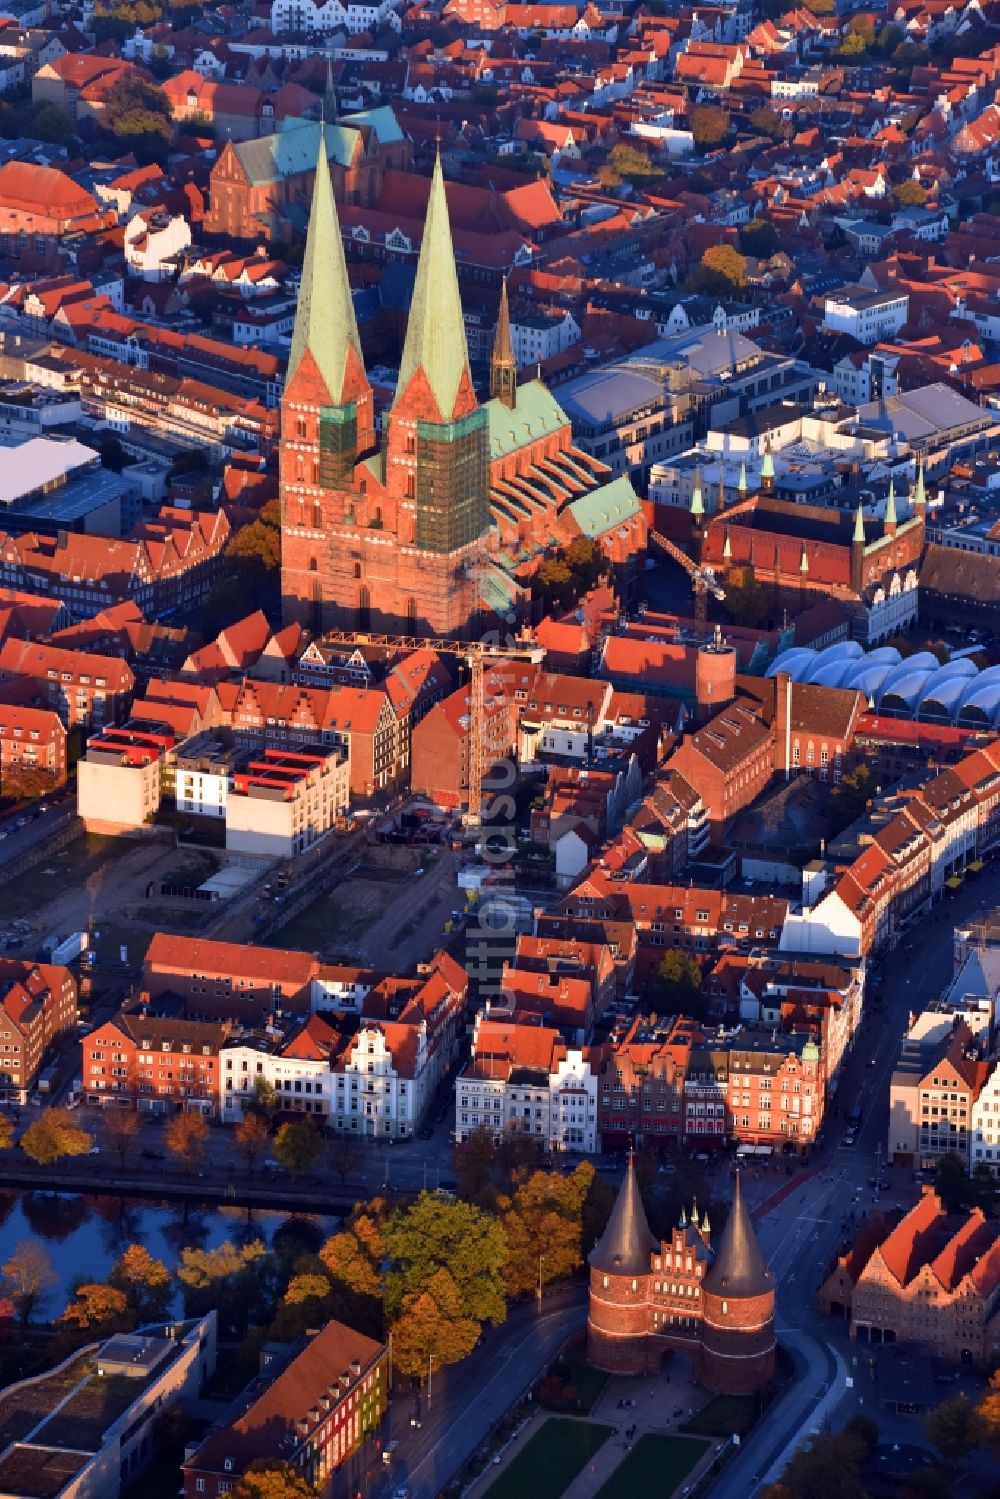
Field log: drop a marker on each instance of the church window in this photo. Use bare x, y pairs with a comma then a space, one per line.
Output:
313, 565
605, 1282
357, 569
300, 426
725, 1307
635, 1285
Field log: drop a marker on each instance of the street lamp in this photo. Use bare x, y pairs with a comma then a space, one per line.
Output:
430, 1379
541, 1262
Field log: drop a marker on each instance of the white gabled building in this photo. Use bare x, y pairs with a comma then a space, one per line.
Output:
372, 1073
984, 1133
524, 1078
323, 19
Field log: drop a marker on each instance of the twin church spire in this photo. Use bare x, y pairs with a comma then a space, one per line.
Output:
325, 324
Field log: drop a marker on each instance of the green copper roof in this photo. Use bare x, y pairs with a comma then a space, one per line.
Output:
605, 507
920, 494
324, 318
697, 504
742, 485
890, 505
767, 465
859, 526
536, 413
292, 150
435, 332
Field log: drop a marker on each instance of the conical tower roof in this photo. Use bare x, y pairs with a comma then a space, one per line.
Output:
435, 332
329, 96
324, 319
920, 495
767, 463
859, 526
890, 505
627, 1242
697, 504
738, 1268
503, 348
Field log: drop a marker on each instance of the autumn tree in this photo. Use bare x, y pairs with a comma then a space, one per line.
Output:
267, 1478
298, 1145
487, 1168
28, 1277
354, 1257
252, 1135
145, 1282
543, 1226
722, 271
98, 1308
708, 124
186, 1137
675, 987
433, 1327
435, 1233
626, 163
136, 114
121, 1128
235, 1279
54, 1135
909, 194
309, 1301
760, 238
954, 1427
7, 1131
988, 1411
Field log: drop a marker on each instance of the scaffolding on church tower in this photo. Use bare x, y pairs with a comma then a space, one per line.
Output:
475, 653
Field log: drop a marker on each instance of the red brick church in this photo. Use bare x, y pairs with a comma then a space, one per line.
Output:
648, 1298
436, 520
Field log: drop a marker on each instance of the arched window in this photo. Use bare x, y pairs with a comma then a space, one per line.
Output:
300, 426
313, 565
357, 569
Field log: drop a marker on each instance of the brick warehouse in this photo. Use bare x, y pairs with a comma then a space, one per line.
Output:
436, 521
679, 1296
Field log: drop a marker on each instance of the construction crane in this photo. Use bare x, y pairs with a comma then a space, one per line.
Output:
474, 653
703, 579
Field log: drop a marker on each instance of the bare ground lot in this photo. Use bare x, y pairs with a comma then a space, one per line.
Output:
389, 917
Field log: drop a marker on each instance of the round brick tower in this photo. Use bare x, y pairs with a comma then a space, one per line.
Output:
714, 676
737, 1303
617, 1314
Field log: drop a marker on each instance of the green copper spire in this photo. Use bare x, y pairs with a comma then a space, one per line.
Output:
920, 495
890, 505
859, 525
767, 464
742, 485
697, 506
329, 96
435, 333
324, 318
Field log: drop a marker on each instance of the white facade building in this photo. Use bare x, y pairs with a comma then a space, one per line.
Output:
866, 315
324, 19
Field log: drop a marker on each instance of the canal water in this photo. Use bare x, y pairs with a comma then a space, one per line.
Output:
83, 1236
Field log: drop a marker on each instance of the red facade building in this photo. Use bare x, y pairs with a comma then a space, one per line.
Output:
650, 1298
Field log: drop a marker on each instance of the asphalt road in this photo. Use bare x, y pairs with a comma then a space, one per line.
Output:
467, 1401
801, 1235
18, 841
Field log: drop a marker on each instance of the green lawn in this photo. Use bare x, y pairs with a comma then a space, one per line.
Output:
725, 1414
654, 1468
553, 1457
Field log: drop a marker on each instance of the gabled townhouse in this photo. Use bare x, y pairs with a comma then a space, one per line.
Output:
524, 1078
85, 691
32, 747
38, 1005
152, 1063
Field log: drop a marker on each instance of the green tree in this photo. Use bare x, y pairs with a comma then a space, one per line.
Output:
267, 1478
438, 1233
298, 1145
850, 797
50, 122
54, 1135
136, 114
760, 238
251, 1137
145, 1282
722, 271
767, 121
627, 163
746, 602
28, 1278
954, 1427
951, 1179
865, 1428
113, 455
433, 1327
98, 1308
675, 988
487, 1168
264, 1100
827, 1468
543, 1226
708, 124
186, 1137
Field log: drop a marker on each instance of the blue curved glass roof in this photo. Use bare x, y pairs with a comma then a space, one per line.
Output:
795, 659
986, 699
906, 686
